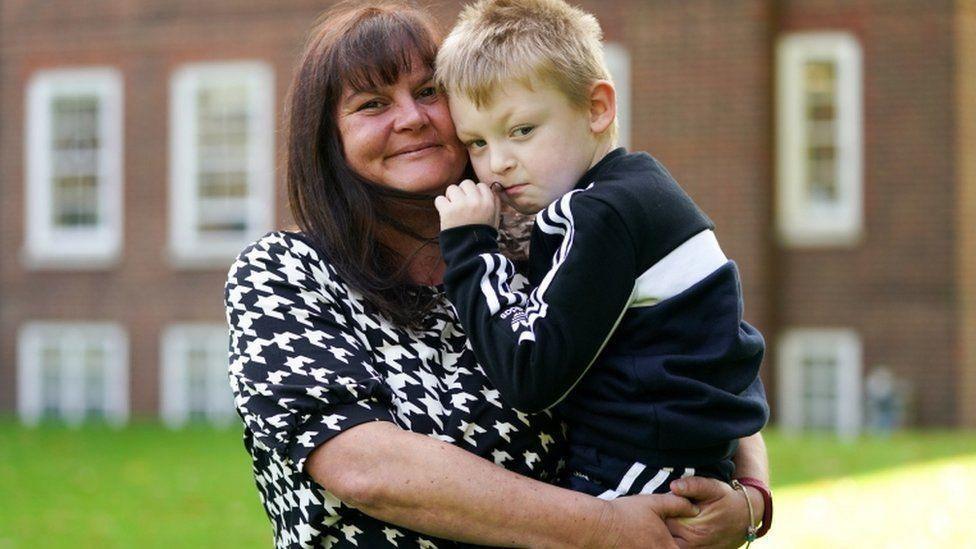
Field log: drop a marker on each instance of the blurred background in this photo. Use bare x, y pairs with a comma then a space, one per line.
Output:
833, 142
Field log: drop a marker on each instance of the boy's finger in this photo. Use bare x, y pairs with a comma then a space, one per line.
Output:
441, 202
468, 186
453, 193
485, 191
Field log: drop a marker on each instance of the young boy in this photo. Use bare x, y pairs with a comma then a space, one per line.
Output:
633, 322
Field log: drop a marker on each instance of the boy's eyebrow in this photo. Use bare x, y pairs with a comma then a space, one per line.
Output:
519, 111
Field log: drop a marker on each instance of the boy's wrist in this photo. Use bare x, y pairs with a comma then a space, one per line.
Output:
459, 243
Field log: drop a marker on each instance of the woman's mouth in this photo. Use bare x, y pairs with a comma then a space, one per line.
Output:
414, 151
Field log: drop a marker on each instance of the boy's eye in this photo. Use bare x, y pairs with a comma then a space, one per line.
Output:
476, 144
522, 131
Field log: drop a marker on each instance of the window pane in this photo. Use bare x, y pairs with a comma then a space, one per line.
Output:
820, 120
223, 120
74, 149
222, 399
51, 362
196, 382
819, 391
94, 372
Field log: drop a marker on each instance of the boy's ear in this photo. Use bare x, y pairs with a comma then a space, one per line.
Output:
603, 105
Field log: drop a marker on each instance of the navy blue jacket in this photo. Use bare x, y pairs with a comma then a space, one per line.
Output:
631, 323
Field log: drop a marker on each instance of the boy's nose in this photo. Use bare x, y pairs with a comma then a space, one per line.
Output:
501, 163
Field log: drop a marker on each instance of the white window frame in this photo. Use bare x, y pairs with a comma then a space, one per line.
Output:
793, 346
173, 403
799, 223
188, 248
47, 245
71, 337
617, 58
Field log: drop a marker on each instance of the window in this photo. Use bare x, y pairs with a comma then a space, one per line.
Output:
819, 149
221, 168
618, 63
72, 372
194, 384
820, 381
73, 134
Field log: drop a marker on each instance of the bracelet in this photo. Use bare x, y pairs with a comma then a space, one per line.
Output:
767, 518
751, 529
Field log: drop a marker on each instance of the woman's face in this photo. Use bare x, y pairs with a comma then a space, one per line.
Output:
401, 136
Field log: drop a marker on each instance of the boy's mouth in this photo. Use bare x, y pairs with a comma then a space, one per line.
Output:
514, 190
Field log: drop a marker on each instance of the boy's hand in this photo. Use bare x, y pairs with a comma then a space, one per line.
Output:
468, 203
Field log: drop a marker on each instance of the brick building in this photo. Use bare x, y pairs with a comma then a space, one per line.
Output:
830, 141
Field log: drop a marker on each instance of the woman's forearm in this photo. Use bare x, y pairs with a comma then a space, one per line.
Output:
439, 489
751, 461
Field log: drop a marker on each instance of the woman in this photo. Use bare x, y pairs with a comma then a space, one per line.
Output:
368, 421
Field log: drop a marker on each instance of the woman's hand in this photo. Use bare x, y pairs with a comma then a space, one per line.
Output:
638, 521
468, 203
724, 514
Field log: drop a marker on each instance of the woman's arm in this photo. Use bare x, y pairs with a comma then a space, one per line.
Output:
442, 490
724, 513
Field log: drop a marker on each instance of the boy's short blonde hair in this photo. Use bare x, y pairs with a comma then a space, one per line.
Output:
529, 41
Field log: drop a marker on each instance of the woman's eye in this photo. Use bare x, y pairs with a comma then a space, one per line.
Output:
428, 91
522, 131
374, 104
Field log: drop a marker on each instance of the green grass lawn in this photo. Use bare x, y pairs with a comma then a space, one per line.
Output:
143, 486
146, 486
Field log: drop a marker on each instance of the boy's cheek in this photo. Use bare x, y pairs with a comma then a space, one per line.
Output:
480, 169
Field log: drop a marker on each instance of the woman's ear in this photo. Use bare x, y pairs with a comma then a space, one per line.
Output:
603, 106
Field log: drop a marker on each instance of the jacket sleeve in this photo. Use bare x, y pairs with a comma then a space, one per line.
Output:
298, 373
536, 344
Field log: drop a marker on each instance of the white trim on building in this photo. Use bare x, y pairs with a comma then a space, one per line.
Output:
73, 168
72, 371
819, 380
617, 58
819, 140
193, 374
221, 160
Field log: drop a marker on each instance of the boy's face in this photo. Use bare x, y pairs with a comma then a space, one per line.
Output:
532, 141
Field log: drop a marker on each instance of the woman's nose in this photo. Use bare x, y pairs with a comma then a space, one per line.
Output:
410, 116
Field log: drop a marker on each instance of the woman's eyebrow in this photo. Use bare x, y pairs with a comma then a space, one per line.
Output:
354, 91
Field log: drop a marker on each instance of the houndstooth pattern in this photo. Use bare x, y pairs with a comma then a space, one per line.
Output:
309, 358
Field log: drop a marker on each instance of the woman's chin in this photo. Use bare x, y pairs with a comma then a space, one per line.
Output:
430, 174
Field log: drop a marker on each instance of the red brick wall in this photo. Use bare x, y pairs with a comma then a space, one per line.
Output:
966, 203
688, 58
146, 42
701, 104
896, 287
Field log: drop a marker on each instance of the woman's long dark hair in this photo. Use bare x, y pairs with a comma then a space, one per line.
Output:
362, 46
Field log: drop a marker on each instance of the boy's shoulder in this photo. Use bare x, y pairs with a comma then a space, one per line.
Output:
624, 178
642, 192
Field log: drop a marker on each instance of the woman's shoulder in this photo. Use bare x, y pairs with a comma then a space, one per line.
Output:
280, 246
285, 255
282, 241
